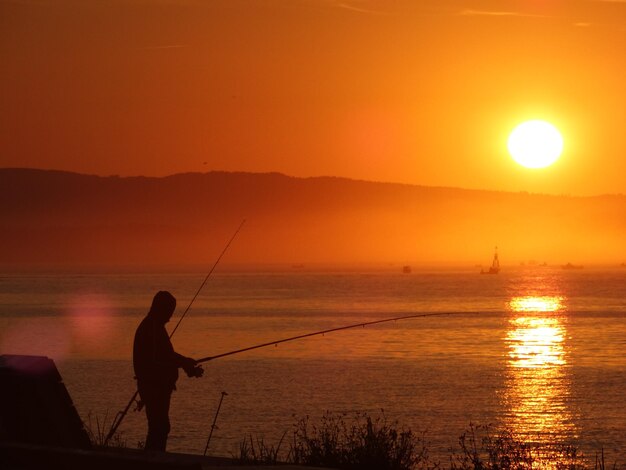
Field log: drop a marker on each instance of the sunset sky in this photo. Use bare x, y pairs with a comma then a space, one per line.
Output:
420, 92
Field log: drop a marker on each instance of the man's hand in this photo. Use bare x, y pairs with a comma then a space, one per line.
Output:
191, 368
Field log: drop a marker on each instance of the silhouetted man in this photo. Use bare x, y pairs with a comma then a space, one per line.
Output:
156, 368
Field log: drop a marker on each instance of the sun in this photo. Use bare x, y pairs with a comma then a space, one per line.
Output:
535, 144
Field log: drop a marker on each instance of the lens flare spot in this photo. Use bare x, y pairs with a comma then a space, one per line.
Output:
92, 317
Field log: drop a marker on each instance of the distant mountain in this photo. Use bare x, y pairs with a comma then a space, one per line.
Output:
58, 219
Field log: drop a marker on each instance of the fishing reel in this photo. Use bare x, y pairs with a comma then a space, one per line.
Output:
194, 371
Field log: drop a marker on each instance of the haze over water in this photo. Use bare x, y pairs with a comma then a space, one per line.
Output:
539, 350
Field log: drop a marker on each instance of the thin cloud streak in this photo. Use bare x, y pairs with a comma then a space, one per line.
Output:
348, 6
165, 46
497, 13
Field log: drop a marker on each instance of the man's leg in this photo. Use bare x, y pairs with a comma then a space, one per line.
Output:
157, 403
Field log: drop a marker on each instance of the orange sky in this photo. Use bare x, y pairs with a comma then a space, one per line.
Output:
421, 92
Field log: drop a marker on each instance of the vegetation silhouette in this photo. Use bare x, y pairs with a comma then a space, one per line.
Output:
359, 441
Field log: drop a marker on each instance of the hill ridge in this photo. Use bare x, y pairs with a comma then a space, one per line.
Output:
54, 217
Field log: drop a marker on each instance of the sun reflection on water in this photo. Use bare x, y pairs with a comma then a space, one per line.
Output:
537, 304
538, 383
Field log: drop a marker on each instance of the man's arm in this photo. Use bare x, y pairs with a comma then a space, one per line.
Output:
189, 365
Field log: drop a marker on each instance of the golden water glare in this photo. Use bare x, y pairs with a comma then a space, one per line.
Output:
537, 385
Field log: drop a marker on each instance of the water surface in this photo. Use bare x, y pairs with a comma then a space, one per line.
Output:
538, 350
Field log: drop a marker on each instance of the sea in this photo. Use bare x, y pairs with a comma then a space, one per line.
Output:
537, 351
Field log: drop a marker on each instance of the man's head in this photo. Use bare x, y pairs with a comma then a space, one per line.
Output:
163, 306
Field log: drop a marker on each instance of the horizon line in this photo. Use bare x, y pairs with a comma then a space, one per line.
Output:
347, 178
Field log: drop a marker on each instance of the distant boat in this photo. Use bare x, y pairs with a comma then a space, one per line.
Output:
572, 266
406, 269
495, 265
532, 263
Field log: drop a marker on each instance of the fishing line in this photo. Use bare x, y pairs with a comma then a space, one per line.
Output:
330, 330
207, 277
121, 414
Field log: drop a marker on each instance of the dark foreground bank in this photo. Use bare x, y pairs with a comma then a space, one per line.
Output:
19, 456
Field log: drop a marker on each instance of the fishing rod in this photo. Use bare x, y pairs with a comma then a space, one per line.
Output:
213, 426
330, 330
207, 277
122, 414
